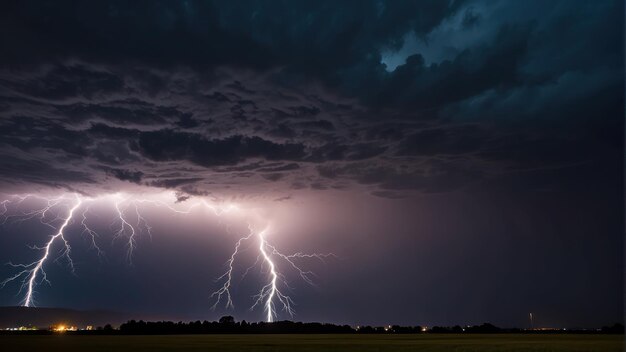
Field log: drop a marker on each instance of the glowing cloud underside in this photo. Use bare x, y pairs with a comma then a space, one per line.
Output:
60, 213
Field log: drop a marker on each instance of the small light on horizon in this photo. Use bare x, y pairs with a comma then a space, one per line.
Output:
63, 328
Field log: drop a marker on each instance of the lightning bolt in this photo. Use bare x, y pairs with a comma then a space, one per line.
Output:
270, 294
129, 222
225, 289
270, 290
3, 207
124, 224
31, 271
40, 213
91, 233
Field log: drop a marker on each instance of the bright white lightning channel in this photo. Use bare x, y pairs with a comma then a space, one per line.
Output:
270, 294
30, 271
129, 223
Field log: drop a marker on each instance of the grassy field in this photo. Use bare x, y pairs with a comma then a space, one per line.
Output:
315, 343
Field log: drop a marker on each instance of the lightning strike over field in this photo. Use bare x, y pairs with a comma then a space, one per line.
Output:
31, 270
269, 294
61, 213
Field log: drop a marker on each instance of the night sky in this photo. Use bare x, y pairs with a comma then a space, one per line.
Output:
462, 159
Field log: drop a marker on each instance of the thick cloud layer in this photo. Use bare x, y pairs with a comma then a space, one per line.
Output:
389, 97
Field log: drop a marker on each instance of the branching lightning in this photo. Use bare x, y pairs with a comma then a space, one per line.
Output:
124, 227
91, 233
62, 213
270, 294
30, 271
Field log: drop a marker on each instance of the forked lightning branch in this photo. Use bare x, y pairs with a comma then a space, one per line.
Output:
73, 212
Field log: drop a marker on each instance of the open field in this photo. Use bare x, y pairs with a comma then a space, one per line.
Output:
316, 343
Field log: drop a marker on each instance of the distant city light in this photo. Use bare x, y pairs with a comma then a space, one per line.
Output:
63, 328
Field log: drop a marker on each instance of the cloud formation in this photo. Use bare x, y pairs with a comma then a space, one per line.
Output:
205, 96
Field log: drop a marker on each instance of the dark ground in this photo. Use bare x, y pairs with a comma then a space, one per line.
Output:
316, 343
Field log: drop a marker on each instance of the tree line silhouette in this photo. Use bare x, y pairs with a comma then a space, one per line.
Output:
228, 325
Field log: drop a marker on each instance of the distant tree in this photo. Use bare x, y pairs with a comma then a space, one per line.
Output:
485, 328
227, 320
366, 330
439, 330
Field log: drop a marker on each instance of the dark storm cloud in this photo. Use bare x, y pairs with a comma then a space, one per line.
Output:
246, 33
167, 145
283, 199
120, 112
425, 87
453, 140
109, 132
305, 93
186, 121
388, 194
432, 175
22, 170
174, 182
273, 177
285, 167
60, 82
126, 175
